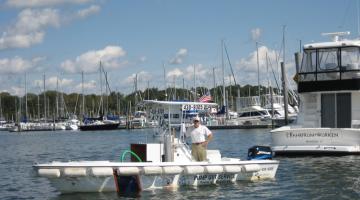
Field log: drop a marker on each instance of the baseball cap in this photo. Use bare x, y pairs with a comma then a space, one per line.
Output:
196, 118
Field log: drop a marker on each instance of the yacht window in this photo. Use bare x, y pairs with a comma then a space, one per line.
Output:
308, 61
328, 60
350, 58
255, 113
308, 65
262, 112
246, 114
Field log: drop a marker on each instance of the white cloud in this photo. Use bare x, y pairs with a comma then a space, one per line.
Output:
89, 61
31, 24
256, 34
88, 11
174, 73
42, 3
130, 79
248, 68
248, 71
30, 20
17, 91
201, 73
51, 83
142, 76
18, 65
29, 28
180, 55
88, 86
249, 64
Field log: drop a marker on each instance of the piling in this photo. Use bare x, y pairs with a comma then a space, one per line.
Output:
284, 85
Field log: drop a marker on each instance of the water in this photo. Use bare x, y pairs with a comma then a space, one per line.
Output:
297, 177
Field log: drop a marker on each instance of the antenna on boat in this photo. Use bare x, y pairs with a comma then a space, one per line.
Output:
336, 35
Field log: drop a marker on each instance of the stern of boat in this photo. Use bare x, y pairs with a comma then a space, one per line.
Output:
288, 140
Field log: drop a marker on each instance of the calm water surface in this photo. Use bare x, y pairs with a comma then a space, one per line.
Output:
296, 178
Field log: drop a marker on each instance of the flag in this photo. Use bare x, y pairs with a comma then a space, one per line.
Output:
205, 98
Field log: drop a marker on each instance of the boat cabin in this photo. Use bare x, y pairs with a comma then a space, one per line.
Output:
329, 84
177, 112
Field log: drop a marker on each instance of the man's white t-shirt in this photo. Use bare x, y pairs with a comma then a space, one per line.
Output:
198, 134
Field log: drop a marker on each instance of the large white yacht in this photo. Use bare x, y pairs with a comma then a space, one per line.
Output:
329, 89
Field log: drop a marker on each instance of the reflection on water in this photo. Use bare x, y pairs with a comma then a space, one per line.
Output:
297, 177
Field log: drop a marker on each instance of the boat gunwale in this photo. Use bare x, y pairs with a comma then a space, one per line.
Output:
146, 164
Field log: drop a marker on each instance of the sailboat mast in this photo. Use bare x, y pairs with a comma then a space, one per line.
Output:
194, 83
106, 93
136, 89
82, 92
57, 97
214, 84
283, 48
174, 98
223, 73
258, 66
183, 87
26, 106
165, 82
44, 101
118, 102
148, 90
101, 92
283, 41
38, 105
267, 72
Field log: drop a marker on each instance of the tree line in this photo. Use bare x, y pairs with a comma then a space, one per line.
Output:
55, 105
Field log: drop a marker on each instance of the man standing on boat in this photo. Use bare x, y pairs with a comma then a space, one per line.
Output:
200, 138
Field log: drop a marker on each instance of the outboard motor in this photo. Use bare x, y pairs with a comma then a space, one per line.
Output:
260, 153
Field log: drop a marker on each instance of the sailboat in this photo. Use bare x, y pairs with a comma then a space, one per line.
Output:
101, 122
4, 125
24, 124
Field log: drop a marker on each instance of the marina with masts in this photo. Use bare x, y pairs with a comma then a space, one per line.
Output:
236, 109
179, 99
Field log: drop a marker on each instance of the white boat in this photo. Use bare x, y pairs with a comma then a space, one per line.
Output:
251, 112
278, 106
5, 126
33, 126
329, 89
166, 164
139, 120
72, 124
254, 114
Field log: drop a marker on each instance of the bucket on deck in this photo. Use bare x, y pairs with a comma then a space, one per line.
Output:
260, 153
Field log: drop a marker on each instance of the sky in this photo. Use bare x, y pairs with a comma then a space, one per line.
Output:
161, 42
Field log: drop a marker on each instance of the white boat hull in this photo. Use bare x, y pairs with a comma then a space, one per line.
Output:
287, 140
98, 176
